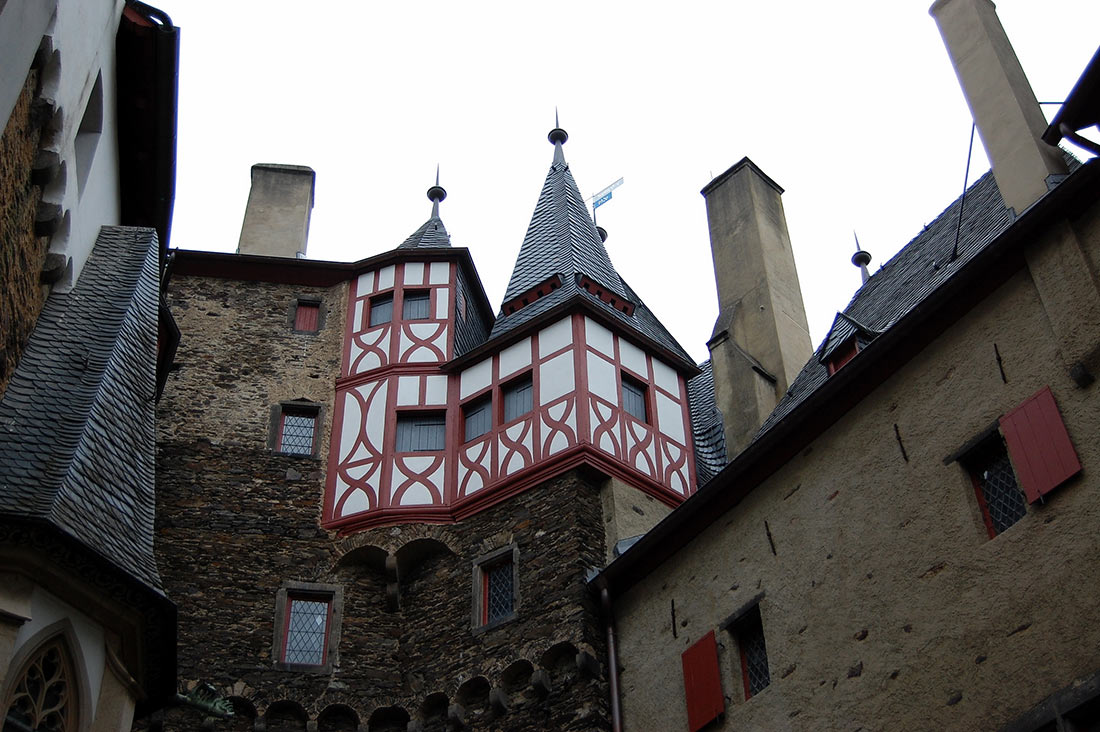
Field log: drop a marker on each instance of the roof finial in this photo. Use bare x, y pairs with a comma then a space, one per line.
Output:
861, 259
436, 193
558, 136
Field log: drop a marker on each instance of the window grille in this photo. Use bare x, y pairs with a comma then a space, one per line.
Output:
478, 417
634, 398
499, 591
381, 310
416, 306
418, 432
517, 399
1000, 498
307, 631
296, 437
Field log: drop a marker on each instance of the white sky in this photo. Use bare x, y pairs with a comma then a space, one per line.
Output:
852, 107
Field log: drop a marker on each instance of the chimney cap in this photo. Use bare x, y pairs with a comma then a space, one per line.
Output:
744, 162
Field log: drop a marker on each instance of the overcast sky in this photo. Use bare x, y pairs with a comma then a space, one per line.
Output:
852, 107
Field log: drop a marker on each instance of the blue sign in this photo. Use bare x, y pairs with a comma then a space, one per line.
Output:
601, 200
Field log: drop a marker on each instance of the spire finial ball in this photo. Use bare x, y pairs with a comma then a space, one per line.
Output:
436, 193
558, 136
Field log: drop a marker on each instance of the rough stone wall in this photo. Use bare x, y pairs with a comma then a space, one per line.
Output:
236, 522
22, 254
885, 604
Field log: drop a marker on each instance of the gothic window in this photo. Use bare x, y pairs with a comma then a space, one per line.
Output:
421, 431
44, 698
517, 398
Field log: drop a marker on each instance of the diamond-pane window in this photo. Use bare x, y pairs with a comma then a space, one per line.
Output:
307, 631
749, 632
499, 589
296, 436
1001, 500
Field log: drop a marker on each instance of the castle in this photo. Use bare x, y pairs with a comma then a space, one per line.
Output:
380, 504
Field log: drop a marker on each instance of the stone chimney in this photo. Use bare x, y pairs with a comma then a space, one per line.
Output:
276, 221
761, 340
1001, 100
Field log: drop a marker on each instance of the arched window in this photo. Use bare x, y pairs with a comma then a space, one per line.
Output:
44, 698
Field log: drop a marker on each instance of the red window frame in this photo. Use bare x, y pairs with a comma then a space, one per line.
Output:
486, 573
306, 597
307, 316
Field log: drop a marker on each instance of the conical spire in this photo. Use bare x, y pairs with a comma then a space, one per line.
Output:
561, 238
432, 233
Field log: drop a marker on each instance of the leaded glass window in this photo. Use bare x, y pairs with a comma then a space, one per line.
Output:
517, 398
1001, 500
478, 417
416, 306
307, 631
420, 431
381, 310
749, 632
634, 398
296, 437
44, 700
499, 591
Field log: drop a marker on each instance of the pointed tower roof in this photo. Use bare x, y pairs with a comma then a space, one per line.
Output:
563, 259
431, 233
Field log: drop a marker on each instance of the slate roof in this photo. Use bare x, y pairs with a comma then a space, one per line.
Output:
562, 240
706, 425
77, 420
431, 234
911, 275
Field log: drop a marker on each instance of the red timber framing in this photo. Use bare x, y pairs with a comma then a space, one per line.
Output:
371, 484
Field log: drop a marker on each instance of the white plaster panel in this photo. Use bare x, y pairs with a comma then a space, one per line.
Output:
364, 285
557, 410
633, 358
670, 418
416, 495
599, 337
515, 357
349, 430
677, 482
356, 503
385, 277
435, 392
556, 377
474, 484
423, 330
414, 273
442, 303
475, 378
376, 417
515, 430
666, 378
370, 361
601, 379
357, 321
557, 336
354, 350
440, 273
408, 391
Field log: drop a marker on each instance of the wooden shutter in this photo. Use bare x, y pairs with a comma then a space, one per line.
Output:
307, 316
702, 685
1039, 445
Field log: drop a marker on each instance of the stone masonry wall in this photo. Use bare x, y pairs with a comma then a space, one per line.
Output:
22, 254
237, 522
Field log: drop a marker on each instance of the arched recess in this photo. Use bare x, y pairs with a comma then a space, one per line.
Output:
473, 696
50, 684
285, 716
369, 556
434, 707
337, 718
388, 719
560, 661
516, 680
244, 714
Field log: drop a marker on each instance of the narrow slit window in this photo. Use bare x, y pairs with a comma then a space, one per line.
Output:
498, 590
748, 633
634, 398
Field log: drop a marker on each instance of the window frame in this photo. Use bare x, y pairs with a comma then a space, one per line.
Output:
479, 621
417, 296
406, 415
526, 378
373, 303
297, 408
642, 389
293, 590
482, 402
974, 461
747, 617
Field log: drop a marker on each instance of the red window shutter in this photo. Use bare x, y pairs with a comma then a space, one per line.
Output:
307, 316
1039, 445
702, 685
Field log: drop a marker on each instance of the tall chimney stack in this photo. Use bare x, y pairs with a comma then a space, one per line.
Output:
1001, 101
276, 220
761, 340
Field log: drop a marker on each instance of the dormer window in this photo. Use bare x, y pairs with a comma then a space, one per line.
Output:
842, 355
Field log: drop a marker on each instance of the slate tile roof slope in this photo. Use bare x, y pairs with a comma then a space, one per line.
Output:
562, 240
77, 420
706, 426
431, 234
911, 275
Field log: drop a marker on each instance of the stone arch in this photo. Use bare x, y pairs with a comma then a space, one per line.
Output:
337, 718
393, 538
54, 656
414, 553
473, 695
515, 681
560, 661
371, 556
388, 719
434, 707
285, 716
